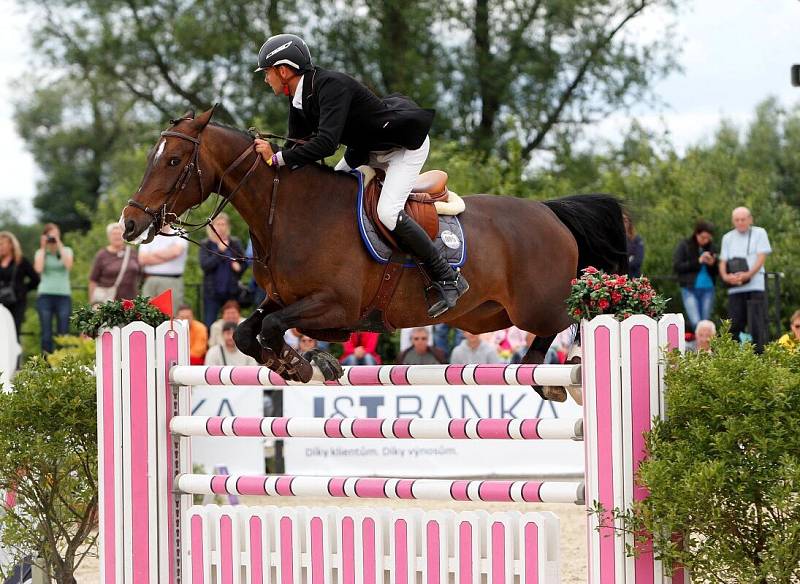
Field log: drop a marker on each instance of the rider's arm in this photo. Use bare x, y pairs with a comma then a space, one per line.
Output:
334, 105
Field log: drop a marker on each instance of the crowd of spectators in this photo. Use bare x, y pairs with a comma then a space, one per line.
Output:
122, 271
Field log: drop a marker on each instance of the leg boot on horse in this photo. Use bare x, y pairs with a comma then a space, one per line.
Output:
448, 284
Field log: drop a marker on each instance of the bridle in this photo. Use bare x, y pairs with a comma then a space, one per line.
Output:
164, 215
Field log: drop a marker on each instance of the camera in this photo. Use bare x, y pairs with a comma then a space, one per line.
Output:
51, 239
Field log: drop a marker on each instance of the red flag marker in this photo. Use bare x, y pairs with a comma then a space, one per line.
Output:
163, 302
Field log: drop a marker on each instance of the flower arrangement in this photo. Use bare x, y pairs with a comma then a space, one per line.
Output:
90, 319
596, 293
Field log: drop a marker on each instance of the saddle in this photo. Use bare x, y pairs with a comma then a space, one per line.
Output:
429, 198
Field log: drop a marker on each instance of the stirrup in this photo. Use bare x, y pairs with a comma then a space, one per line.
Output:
440, 305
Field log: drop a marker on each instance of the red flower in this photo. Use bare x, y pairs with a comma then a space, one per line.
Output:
573, 281
616, 297
590, 270
127, 304
577, 312
602, 304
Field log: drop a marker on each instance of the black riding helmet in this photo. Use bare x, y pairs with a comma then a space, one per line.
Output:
284, 49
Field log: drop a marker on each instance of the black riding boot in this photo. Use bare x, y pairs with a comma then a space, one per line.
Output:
449, 284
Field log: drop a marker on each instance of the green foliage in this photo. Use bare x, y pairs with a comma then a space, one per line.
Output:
90, 319
724, 469
539, 70
48, 457
79, 349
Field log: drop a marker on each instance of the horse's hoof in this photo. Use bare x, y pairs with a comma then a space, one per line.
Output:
328, 365
554, 393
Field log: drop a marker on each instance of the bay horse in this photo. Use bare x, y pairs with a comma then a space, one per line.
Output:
317, 273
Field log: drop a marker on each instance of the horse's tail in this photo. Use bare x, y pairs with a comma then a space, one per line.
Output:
596, 223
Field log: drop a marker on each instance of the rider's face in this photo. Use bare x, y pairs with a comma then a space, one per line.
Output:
273, 79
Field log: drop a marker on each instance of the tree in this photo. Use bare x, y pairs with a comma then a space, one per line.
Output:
534, 66
498, 71
71, 128
48, 434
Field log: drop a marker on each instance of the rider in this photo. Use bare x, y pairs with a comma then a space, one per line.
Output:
391, 133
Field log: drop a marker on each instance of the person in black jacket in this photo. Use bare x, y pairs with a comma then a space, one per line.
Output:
695, 263
329, 108
17, 278
222, 262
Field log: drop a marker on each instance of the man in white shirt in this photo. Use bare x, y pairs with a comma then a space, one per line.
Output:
227, 353
747, 299
164, 260
474, 351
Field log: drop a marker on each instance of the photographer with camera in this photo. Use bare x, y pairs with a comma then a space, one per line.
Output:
741, 267
53, 261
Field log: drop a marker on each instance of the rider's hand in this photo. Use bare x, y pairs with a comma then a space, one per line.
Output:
263, 148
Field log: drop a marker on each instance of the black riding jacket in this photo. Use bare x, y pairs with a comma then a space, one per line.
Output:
337, 109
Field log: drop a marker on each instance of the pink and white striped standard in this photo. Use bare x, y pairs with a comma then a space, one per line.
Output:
396, 375
404, 428
256, 545
382, 488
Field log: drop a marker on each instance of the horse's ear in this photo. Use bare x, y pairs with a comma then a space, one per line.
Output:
202, 120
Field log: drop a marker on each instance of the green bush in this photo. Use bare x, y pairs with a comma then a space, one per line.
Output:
725, 467
48, 457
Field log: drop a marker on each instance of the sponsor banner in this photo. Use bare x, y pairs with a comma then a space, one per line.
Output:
237, 455
429, 458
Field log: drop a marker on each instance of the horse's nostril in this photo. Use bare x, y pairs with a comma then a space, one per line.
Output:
129, 226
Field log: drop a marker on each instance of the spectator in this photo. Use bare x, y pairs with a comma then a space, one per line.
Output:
230, 313
259, 295
292, 337
53, 261
473, 350
198, 335
791, 340
703, 333
306, 343
741, 266
361, 349
115, 272
421, 352
226, 353
163, 261
221, 268
441, 337
635, 247
17, 278
406, 334
695, 263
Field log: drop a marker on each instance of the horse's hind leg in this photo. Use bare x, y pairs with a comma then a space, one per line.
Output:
535, 356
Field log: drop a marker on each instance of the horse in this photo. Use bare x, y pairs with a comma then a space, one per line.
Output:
318, 276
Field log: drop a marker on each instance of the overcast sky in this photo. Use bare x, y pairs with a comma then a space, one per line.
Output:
734, 54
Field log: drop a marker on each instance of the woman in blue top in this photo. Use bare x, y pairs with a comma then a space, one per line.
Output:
695, 263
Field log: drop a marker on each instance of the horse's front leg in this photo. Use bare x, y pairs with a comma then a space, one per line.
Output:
316, 311
248, 330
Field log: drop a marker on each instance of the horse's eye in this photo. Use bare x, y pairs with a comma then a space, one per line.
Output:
174, 161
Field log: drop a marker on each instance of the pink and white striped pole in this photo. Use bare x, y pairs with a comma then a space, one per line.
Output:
382, 488
394, 375
394, 428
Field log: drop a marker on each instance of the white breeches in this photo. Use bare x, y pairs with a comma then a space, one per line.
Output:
402, 168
